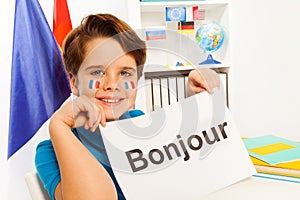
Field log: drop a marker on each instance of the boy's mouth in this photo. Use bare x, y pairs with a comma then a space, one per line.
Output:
110, 101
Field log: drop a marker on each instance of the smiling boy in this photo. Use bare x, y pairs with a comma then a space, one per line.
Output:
113, 68
104, 49
104, 58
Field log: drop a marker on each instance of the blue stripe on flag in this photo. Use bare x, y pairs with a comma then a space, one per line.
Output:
155, 32
126, 86
39, 83
91, 84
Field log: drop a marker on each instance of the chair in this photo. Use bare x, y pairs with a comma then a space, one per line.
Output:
35, 187
165, 87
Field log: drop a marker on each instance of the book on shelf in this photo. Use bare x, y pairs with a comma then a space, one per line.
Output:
274, 155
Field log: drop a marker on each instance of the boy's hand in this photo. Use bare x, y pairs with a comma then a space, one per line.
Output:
81, 111
202, 80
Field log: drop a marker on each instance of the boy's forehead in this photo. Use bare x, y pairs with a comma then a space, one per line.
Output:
102, 51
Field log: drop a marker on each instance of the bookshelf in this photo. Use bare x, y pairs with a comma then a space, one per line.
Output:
153, 14
184, 48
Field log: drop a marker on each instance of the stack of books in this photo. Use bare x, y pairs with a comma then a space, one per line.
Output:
274, 155
284, 169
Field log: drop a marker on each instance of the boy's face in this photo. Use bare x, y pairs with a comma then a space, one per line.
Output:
108, 75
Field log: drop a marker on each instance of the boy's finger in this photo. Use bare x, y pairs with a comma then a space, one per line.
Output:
86, 126
205, 86
103, 118
93, 129
92, 112
97, 122
198, 89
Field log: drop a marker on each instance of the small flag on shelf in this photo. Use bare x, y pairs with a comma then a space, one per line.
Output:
156, 33
192, 13
176, 14
186, 27
201, 14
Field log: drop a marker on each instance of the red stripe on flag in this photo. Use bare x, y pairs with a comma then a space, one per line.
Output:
61, 21
97, 85
132, 84
186, 27
195, 13
155, 37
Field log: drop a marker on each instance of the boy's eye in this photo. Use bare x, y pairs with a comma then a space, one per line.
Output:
97, 72
125, 73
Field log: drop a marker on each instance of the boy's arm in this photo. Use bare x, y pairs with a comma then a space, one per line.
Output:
200, 80
47, 166
82, 176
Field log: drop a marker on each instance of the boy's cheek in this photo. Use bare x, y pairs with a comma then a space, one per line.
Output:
129, 85
132, 98
89, 87
93, 84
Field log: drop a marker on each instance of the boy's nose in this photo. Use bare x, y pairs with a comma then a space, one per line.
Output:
110, 83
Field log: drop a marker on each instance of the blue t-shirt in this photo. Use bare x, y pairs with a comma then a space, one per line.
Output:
47, 165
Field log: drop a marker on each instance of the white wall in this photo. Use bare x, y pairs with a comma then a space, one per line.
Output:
265, 82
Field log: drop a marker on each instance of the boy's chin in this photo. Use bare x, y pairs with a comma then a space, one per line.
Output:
112, 116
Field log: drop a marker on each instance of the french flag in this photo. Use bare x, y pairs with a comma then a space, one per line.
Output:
39, 85
94, 84
129, 85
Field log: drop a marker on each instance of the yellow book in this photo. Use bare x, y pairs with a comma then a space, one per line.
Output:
281, 148
285, 169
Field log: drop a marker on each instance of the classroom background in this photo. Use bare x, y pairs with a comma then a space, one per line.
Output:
264, 76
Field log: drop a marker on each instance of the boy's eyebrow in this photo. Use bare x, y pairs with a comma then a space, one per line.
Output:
94, 66
128, 67
103, 67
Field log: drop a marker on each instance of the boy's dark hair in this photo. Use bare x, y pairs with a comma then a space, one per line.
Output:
98, 26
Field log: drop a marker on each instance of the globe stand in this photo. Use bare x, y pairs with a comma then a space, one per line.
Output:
209, 60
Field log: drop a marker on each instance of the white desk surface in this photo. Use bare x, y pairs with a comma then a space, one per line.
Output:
256, 188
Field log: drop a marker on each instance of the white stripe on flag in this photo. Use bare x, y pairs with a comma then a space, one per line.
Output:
16, 187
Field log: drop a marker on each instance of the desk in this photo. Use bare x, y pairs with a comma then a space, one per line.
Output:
256, 188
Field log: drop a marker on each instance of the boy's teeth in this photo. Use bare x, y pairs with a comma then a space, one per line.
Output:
111, 100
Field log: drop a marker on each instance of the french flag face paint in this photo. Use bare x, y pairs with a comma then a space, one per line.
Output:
129, 85
94, 84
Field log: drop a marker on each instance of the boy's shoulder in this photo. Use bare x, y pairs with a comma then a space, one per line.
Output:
131, 114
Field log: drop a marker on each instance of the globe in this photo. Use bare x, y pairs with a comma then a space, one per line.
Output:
210, 38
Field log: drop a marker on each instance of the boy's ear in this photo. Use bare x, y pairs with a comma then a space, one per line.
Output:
73, 84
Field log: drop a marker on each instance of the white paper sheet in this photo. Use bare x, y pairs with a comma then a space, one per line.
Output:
191, 174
